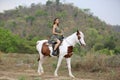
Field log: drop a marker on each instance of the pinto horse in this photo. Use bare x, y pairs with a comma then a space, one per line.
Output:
65, 51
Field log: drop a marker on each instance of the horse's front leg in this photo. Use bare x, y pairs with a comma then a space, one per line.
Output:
58, 65
68, 60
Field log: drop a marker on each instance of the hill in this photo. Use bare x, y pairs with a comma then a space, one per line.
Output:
35, 22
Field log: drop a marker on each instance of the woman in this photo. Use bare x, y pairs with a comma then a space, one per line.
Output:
57, 35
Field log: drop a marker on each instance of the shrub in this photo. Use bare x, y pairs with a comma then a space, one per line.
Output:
106, 51
113, 76
79, 50
117, 50
98, 46
92, 62
2, 23
61, 14
41, 13
22, 78
13, 43
113, 61
8, 41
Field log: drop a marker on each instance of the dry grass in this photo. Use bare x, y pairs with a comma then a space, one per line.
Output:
92, 62
105, 67
24, 67
113, 75
1, 56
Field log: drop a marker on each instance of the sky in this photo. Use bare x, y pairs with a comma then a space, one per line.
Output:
106, 10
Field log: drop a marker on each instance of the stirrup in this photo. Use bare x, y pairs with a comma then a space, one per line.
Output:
54, 53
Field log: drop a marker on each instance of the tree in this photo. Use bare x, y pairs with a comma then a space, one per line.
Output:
30, 19
48, 3
8, 41
57, 2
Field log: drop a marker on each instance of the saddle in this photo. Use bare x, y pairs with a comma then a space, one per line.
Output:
53, 43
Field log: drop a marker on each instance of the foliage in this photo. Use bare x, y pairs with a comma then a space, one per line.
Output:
98, 46
61, 14
93, 37
92, 62
113, 61
80, 51
35, 23
106, 51
2, 23
30, 19
40, 13
95, 62
13, 43
22, 78
48, 3
8, 41
117, 50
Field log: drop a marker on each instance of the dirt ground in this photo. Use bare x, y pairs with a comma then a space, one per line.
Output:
15, 66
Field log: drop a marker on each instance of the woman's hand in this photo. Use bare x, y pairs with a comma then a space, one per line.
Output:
61, 34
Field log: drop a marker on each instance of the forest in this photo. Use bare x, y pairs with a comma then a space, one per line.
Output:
22, 26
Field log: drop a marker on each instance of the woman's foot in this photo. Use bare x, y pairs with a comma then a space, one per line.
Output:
54, 53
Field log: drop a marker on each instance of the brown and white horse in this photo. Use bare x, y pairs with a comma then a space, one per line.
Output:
65, 51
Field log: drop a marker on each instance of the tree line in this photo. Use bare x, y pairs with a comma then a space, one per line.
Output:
23, 26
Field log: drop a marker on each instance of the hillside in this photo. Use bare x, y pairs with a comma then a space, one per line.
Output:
35, 22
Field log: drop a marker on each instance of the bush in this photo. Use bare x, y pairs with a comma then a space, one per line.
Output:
117, 50
113, 61
113, 76
92, 62
8, 41
79, 50
61, 14
98, 46
2, 23
106, 51
13, 43
41, 13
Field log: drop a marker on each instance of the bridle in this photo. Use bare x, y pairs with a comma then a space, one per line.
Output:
78, 36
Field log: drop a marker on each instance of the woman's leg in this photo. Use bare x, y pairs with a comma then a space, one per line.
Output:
56, 45
55, 48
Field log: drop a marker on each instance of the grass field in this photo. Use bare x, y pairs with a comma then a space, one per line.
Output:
16, 66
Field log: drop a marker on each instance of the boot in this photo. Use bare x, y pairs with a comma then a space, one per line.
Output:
54, 53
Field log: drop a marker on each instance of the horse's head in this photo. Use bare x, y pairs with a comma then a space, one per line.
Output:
80, 38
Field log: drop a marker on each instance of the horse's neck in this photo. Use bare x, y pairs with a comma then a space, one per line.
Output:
71, 40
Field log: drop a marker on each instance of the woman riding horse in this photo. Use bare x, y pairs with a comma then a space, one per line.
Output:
57, 35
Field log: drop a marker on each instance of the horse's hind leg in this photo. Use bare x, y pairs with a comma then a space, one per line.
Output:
40, 67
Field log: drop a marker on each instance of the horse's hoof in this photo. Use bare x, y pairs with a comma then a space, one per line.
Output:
55, 75
42, 72
39, 74
72, 76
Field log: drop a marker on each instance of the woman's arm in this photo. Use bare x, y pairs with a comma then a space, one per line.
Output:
53, 31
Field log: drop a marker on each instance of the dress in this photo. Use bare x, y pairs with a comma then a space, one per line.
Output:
54, 37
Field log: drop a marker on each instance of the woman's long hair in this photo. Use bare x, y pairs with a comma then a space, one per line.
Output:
55, 22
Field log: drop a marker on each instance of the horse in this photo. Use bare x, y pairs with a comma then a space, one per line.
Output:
65, 51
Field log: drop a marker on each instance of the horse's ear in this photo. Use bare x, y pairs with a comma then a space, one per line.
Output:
78, 32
